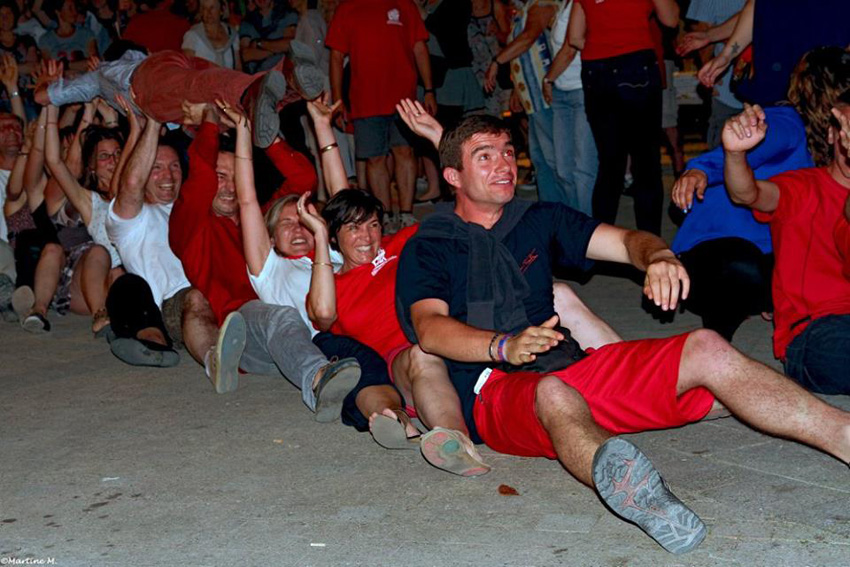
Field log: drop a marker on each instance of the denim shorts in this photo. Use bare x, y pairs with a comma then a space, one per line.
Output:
374, 136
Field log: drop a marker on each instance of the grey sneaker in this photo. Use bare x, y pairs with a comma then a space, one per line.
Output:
452, 451
629, 484
260, 103
224, 362
405, 220
390, 224
309, 79
339, 377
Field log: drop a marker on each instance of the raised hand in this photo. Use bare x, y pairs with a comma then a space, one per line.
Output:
193, 112
92, 63
709, 72
744, 131
691, 182
321, 110
691, 42
132, 117
51, 70
666, 279
309, 216
419, 121
9, 72
490, 77
525, 346
236, 118
108, 114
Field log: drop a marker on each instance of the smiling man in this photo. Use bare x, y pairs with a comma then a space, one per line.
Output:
475, 287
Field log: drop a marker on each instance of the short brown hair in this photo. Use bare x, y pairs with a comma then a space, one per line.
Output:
451, 144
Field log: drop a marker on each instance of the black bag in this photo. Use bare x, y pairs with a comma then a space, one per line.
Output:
564, 354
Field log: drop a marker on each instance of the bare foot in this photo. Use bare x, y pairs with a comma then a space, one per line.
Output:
153, 335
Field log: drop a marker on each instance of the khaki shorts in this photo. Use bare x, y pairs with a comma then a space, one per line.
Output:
172, 316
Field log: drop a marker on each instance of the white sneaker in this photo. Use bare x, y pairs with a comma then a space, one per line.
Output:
391, 224
406, 220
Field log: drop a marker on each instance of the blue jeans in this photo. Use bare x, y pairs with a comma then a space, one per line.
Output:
819, 357
575, 150
541, 150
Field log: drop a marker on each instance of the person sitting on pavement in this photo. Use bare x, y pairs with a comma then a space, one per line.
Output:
728, 253
205, 233
811, 296
153, 307
475, 287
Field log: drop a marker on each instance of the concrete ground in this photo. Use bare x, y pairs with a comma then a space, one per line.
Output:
109, 465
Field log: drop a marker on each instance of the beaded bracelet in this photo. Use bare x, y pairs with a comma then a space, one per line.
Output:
490, 348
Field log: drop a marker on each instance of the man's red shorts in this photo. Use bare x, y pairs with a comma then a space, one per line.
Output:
629, 387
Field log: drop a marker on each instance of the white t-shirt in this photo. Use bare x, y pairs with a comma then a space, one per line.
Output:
286, 281
4, 181
142, 243
570, 79
225, 56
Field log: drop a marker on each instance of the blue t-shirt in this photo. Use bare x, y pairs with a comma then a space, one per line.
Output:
783, 149
548, 235
72, 48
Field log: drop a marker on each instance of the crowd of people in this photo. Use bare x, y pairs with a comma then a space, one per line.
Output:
238, 182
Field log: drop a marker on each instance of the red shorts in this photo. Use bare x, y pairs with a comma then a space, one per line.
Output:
390, 357
628, 386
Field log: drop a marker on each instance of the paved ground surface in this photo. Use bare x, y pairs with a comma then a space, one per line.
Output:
105, 464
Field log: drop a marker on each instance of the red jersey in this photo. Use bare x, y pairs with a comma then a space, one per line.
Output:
365, 298
157, 30
807, 278
299, 171
616, 27
378, 36
209, 246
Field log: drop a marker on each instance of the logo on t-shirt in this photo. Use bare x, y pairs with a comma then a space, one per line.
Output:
529, 260
394, 17
380, 261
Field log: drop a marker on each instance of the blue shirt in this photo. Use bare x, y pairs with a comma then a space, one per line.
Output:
783, 149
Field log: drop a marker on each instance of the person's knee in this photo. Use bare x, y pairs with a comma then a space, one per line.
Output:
420, 363
554, 398
402, 152
52, 250
706, 351
376, 161
98, 255
194, 303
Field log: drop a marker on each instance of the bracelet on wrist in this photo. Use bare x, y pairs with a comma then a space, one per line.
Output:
490, 348
243, 157
431, 90
501, 349
322, 264
329, 147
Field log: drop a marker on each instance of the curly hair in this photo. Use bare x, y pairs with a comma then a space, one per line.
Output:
820, 77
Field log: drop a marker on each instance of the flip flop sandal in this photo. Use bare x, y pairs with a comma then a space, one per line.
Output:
390, 433
452, 452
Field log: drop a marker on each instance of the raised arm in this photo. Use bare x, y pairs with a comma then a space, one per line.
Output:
666, 277
74, 158
15, 187
9, 78
539, 17
131, 192
255, 237
741, 37
740, 134
334, 171
129, 145
79, 197
321, 306
419, 121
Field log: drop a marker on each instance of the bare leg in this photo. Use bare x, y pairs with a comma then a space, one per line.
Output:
200, 330
362, 182
424, 379
432, 174
47, 276
677, 153
405, 176
383, 400
761, 397
567, 419
90, 281
586, 327
379, 180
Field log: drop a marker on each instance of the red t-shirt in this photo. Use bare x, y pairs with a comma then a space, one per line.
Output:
157, 30
807, 278
209, 246
615, 27
378, 36
842, 242
365, 298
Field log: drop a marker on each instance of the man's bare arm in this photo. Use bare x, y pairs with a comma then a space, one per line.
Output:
131, 193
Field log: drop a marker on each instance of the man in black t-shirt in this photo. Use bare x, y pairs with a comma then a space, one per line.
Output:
475, 287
